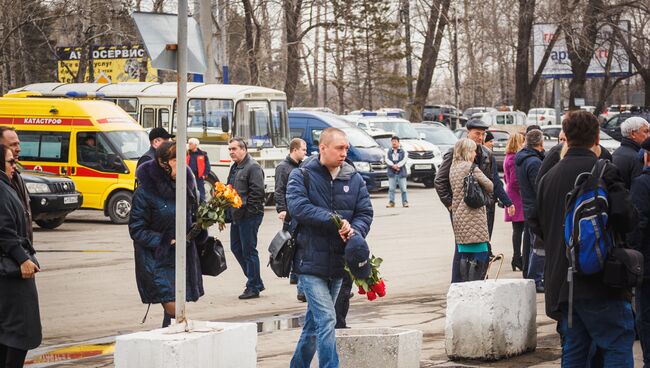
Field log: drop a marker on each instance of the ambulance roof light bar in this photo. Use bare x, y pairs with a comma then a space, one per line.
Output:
75, 94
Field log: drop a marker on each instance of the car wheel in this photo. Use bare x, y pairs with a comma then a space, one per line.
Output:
51, 223
119, 207
428, 182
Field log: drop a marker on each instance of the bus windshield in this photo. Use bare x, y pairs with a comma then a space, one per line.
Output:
130, 144
261, 124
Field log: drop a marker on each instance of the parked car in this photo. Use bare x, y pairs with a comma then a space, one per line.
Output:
475, 110
500, 139
364, 152
541, 116
443, 114
424, 158
552, 136
440, 136
52, 197
613, 125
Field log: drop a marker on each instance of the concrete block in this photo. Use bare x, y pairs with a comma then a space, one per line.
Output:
379, 347
207, 345
491, 319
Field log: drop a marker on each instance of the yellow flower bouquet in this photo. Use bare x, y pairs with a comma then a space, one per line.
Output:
214, 210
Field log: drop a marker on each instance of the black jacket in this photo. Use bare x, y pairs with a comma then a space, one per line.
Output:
548, 224
527, 163
443, 186
640, 237
247, 178
626, 158
282, 172
552, 157
148, 156
20, 321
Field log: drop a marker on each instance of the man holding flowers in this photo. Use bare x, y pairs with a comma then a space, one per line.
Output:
247, 178
334, 208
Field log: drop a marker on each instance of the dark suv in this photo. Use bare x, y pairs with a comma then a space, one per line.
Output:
52, 197
613, 126
443, 114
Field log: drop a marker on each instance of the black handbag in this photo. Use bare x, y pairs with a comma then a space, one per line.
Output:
212, 257
282, 249
473, 193
623, 268
9, 267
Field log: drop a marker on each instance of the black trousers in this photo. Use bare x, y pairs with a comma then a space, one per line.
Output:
342, 304
526, 250
517, 235
11, 358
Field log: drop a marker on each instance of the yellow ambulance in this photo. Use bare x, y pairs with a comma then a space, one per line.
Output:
95, 143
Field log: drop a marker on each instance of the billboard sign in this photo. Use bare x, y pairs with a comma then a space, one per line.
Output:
111, 64
559, 64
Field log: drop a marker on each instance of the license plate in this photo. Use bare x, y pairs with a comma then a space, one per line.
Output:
499, 149
70, 200
384, 184
422, 167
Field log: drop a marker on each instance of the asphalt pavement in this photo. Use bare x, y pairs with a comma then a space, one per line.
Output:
88, 293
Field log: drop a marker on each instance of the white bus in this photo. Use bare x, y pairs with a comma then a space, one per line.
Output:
216, 112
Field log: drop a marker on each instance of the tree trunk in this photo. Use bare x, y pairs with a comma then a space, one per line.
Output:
292, 10
523, 92
251, 43
435, 30
317, 46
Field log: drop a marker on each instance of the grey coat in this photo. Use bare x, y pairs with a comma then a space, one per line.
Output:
20, 321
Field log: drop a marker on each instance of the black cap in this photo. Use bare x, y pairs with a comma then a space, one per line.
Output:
477, 124
357, 257
533, 127
646, 145
488, 136
159, 133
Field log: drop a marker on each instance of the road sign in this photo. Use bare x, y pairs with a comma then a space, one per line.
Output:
159, 32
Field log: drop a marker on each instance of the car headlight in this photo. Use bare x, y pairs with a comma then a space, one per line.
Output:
37, 188
362, 166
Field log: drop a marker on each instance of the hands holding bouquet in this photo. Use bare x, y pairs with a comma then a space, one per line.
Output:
363, 271
214, 210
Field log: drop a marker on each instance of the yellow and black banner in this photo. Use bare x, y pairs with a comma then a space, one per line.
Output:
111, 64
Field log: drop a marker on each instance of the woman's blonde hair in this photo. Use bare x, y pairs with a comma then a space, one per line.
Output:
463, 150
515, 143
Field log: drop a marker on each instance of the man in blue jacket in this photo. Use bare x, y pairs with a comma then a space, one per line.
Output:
396, 162
527, 163
334, 186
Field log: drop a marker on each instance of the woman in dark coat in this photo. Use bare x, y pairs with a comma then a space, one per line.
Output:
152, 228
20, 320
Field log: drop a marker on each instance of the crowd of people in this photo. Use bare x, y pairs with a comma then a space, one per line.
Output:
310, 191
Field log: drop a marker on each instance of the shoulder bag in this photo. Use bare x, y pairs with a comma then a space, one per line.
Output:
473, 193
211, 256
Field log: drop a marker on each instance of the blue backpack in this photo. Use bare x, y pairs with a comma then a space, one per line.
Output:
587, 238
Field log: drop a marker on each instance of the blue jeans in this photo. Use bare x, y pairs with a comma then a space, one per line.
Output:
243, 244
643, 319
393, 182
605, 324
318, 332
536, 260
200, 183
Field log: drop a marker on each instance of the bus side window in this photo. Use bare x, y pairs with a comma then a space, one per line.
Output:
163, 118
148, 118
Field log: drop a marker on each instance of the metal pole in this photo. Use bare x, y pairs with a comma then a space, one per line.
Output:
557, 101
181, 177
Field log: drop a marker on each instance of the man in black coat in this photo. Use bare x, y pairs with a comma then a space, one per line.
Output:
527, 163
247, 177
602, 315
297, 152
626, 157
9, 138
485, 161
640, 240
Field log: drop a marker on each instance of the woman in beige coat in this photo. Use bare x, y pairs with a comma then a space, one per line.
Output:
470, 224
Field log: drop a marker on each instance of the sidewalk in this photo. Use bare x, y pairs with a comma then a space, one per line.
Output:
425, 313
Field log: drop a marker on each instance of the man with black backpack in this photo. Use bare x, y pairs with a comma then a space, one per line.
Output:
590, 307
